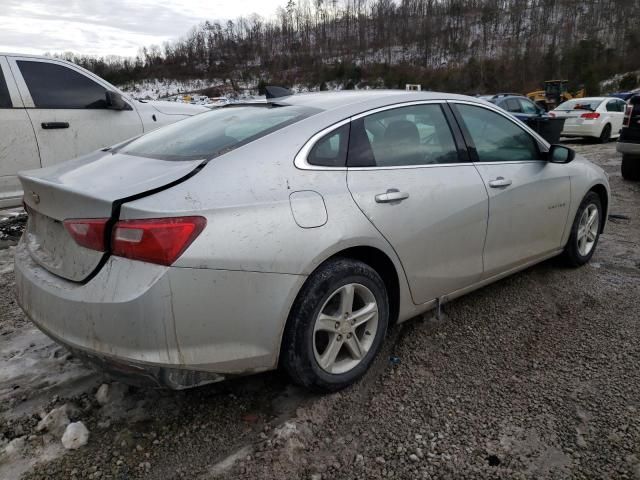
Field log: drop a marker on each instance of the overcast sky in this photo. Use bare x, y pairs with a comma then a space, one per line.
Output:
111, 27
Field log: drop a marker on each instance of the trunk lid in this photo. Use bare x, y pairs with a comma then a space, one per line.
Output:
92, 186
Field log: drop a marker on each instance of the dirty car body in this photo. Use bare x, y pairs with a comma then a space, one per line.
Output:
283, 189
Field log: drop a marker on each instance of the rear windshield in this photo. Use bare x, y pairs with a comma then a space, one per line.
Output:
580, 105
211, 134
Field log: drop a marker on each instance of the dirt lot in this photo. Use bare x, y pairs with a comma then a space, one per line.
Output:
536, 376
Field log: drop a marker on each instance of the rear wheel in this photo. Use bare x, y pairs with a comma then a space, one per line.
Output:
605, 136
336, 326
585, 231
630, 167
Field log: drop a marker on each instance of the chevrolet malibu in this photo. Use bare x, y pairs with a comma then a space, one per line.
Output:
293, 233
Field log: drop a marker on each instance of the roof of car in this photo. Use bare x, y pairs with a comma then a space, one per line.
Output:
342, 98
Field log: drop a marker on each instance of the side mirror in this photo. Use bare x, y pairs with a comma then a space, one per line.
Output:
561, 154
115, 101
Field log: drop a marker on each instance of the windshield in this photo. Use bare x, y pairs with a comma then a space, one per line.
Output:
579, 104
211, 134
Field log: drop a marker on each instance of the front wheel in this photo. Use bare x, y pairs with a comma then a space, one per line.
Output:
585, 231
336, 326
630, 167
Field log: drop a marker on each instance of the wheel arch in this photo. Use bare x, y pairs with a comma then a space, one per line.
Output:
600, 190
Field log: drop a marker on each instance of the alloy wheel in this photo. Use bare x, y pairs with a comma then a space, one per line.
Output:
588, 229
345, 328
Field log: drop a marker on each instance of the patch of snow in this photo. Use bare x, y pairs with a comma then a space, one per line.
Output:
35, 369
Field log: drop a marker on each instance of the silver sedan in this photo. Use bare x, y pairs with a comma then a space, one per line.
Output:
293, 233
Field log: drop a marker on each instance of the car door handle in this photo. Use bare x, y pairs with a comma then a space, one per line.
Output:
51, 125
500, 182
392, 195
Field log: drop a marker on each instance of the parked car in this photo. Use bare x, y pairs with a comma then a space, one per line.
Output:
52, 110
518, 105
528, 112
293, 233
629, 141
591, 117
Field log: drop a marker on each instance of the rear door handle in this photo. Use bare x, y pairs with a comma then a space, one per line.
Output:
500, 182
392, 195
51, 125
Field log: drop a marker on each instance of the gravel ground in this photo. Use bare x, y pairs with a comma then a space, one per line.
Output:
533, 377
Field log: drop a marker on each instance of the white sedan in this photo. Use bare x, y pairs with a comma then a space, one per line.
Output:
594, 117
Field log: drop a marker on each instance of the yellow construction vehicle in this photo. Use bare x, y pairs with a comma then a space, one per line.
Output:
555, 92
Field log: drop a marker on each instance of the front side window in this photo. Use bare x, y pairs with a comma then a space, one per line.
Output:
56, 86
5, 100
211, 134
331, 150
497, 139
415, 135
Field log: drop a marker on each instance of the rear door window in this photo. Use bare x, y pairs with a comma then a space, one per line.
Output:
56, 86
414, 135
528, 107
495, 138
5, 99
211, 134
513, 105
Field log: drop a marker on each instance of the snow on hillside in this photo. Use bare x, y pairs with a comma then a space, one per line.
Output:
154, 89
612, 84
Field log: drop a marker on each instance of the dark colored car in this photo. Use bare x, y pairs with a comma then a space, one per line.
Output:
528, 112
629, 141
518, 105
623, 95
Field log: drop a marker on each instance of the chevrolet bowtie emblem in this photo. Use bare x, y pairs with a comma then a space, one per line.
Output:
36, 197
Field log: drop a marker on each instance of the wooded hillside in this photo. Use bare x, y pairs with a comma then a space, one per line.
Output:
455, 45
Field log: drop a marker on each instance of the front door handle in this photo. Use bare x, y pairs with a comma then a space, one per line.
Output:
500, 182
392, 195
51, 125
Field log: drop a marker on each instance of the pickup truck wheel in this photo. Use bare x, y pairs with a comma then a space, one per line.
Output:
336, 326
630, 167
605, 136
585, 231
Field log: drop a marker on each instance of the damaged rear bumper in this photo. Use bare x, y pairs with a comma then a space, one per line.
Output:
167, 326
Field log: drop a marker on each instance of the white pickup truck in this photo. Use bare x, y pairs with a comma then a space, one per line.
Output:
52, 110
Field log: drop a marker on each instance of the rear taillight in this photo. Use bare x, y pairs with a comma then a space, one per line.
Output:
627, 116
88, 232
590, 115
156, 240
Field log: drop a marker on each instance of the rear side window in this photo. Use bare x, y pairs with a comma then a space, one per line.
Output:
415, 135
211, 134
331, 150
497, 139
612, 106
56, 86
513, 105
5, 100
527, 106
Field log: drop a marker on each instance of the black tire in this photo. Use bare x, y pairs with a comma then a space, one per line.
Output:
605, 136
297, 352
630, 167
571, 253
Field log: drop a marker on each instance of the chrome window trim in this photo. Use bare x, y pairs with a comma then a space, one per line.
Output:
302, 163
